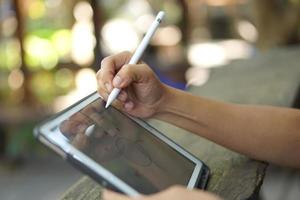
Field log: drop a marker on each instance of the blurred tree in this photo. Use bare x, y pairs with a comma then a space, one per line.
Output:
98, 20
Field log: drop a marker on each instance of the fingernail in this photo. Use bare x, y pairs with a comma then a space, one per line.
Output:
108, 87
117, 81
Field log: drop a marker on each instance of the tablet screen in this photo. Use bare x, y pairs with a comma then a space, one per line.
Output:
125, 148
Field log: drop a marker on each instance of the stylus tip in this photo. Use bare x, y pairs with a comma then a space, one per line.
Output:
107, 104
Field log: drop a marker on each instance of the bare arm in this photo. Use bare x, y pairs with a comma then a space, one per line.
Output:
261, 132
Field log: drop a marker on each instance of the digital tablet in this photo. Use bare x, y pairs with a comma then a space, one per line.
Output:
118, 151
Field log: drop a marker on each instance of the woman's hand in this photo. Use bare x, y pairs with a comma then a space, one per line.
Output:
174, 193
142, 93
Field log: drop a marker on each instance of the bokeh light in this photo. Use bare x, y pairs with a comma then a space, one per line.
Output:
206, 55
86, 81
217, 53
83, 43
119, 35
136, 8
15, 79
237, 49
167, 36
143, 22
62, 43
85, 84
40, 52
9, 26
83, 39
41, 85
52, 3
247, 31
63, 78
36, 9
83, 11
197, 76
223, 2
10, 56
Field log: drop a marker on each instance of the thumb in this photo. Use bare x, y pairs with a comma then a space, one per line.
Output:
131, 73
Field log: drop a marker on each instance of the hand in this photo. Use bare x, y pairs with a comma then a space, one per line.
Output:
142, 92
174, 193
75, 127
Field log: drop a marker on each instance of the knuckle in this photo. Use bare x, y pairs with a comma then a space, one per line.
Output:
101, 84
146, 68
98, 74
126, 53
105, 60
103, 76
101, 89
100, 78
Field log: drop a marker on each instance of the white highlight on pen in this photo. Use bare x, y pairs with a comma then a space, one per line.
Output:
138, 53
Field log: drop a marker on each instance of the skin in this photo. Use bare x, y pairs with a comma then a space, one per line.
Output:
174, 193
265, 133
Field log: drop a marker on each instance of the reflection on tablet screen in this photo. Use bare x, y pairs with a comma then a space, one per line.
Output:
126, 149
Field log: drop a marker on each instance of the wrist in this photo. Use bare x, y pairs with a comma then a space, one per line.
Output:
168, 97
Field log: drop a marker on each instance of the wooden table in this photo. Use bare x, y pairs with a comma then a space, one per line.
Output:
270, 78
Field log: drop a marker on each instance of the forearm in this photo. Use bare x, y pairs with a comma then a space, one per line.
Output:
261, 132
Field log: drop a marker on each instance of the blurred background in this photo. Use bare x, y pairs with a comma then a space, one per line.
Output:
50, 51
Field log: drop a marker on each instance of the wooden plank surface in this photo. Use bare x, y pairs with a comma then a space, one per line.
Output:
271, 78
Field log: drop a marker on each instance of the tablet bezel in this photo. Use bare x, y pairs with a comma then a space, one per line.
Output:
66, 149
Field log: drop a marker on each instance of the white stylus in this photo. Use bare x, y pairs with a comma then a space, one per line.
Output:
138, 53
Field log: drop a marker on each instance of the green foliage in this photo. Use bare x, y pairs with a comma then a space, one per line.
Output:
9, 54
20, 140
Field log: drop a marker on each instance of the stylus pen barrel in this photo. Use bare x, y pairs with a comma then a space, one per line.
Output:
138, 53
144, 43
112, 96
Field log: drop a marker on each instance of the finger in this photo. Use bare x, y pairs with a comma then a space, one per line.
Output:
128, 106
117, 60
109, 195
103, 87
98, 106
173, 192
179, 192
80, 141
97, 118
109, 66
80, 117
131, 73
103, 92
71, 128
77, 123
93, 108
123, 96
